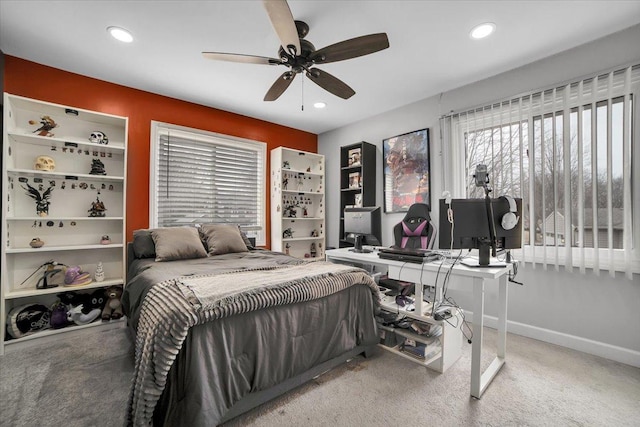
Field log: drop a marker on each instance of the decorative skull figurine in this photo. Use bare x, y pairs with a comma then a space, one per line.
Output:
45, 163
98, 137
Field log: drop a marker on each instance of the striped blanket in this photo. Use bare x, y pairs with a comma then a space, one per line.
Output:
172, 307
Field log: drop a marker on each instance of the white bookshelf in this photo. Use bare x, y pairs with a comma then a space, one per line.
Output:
297, 180
72, 237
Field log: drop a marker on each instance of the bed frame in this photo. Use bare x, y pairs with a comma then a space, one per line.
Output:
257, 398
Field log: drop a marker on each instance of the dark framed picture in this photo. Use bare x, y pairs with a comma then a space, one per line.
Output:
407, 173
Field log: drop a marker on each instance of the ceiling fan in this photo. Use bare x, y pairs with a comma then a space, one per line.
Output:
300, 56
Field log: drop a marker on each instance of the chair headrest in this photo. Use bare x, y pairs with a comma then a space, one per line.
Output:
418, 210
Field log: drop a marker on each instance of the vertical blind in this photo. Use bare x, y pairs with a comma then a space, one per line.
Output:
568, 152
202, 178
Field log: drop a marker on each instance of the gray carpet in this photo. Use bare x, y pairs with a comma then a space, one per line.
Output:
83, 380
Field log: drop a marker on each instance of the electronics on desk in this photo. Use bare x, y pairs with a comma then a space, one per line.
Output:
417, 256
471, 220
362, 226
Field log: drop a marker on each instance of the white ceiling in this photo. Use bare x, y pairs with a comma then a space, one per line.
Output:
430, 48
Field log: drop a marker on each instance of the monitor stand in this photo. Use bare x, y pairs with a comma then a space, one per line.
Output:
475, 263
360, 251
484, 258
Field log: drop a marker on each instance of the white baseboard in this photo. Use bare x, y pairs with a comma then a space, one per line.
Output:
608, 351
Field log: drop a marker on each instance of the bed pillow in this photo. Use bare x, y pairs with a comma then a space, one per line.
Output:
143, 246
223, 239
175, 243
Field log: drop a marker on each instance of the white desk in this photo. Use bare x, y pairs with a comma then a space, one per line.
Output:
424, 274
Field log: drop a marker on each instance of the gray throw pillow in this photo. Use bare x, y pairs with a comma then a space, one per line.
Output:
223, 238
175, 243
143, 246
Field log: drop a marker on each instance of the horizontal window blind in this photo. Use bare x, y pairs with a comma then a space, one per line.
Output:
204, 178
568, 152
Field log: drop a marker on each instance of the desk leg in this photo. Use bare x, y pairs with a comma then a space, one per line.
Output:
481, 380
502, 318
476, 346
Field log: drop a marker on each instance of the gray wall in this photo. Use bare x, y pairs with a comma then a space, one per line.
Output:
594, 314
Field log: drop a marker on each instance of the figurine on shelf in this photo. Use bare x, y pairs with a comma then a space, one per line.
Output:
42, 200
76, 277
97, 208
97, 167
36, 243
286, 165
290, 211
314, 233
44, 163
286, 248
47, 124
313, 250
99, 274
305, 213
287, 234
105, 240
285, 182
98, 137
300, 182
52, 268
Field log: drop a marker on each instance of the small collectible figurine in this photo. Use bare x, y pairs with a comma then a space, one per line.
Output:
42, 200
98, 137
290, 211
47, 124
300, 183
314, 233
286, 248
97, 208
285, 182
287, 234
286, 165
313, 250
105, 240
36, 243
97, 167
304, 212
99, 274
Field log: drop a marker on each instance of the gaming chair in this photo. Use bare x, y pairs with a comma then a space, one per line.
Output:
415, 231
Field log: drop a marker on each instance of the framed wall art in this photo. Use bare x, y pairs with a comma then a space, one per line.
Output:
407, 174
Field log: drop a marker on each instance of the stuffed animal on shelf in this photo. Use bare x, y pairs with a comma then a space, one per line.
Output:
80, 308
113, 307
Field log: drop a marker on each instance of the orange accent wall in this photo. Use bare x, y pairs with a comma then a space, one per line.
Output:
32, 80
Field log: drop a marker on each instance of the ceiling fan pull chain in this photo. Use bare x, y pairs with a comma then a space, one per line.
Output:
302, 106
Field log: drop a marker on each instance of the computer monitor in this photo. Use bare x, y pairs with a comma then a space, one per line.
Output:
471, 226
362, 226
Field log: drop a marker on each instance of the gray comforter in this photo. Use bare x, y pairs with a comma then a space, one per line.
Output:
227, 357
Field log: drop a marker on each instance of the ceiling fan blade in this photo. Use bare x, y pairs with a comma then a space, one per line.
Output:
330, 83
236, 57
280, 86
282, 21
352, 48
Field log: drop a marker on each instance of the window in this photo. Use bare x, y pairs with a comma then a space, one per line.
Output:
568, 153
201, 177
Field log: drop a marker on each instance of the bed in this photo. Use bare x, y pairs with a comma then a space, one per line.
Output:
219, 334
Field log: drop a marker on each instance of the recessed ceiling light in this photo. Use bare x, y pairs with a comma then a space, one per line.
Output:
120, 34
320, 104
483, 30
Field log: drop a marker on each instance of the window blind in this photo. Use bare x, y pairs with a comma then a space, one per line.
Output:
204, 178
568, 152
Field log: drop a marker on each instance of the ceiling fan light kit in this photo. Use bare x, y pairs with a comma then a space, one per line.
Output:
301, 56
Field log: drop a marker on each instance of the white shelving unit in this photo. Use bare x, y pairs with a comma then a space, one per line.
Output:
448, 348
72, 237
297, 203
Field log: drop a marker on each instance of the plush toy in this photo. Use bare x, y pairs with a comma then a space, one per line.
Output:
113, 307
80, 309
